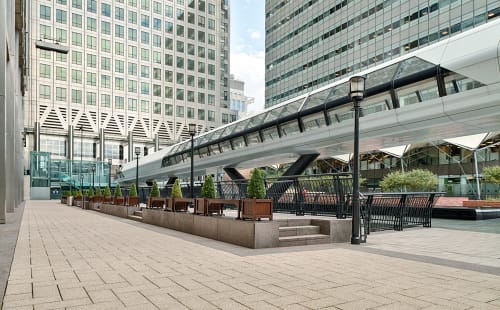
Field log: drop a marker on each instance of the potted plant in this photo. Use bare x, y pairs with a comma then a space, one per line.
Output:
205, 204
177, 203
490, 175
133, 198
119, 200
64, 197
154, 199
77, 198
107, 195
256, 206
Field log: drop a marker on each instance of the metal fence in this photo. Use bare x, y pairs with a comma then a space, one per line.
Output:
327, 195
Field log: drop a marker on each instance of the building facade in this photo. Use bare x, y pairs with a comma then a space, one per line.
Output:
106, 76
239, 101
12, 90
311, 44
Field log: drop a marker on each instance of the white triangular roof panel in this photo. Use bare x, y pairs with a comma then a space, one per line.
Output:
344, 157
397, 151
469, 142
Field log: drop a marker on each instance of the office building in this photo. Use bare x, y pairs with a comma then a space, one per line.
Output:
239, 101
124, 73
310, 44
12, 89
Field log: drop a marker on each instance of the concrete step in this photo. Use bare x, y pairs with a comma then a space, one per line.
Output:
135, 218
294, 222
287, 231
304, 240
138, 213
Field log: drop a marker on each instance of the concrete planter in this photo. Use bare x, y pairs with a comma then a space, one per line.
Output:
118, 210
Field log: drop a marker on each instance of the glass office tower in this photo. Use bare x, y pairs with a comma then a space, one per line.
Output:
310, 44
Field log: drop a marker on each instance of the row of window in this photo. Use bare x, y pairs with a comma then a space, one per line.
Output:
76, 95
144, 5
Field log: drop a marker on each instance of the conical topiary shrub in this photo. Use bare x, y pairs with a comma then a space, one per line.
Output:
107, 192
133, 191
208, 188
118, 191
155, 192
98, 191
176, 190
256, 187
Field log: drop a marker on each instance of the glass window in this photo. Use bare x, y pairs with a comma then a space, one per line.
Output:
76, 20
132, 86
211, 24
157, 7
201, 5
156, 90
61, 73
290, 128
119, 49
60, 94
180, 62
132, 51
157, 108
105, 27
105, 81
145, 106
144, 88
180, 46
179, 94
105, 63
45, 12
132, 104
61, 16
169, 76
119, 83
169, 27
119, 31
77, 4
106, 9
119, 102
92, 42
91, 98
92, 6
91, 24
211, 39
119, 66
191, 80
201, 114
211, 116
144, 20
45, 91
211, 9
190, 97
169, 109
145, 54
91, 79
91, 60
169, 12
211, 54
76, 96
45, 71
157, 73
145, 71
132, 68
119, 13
145, 5
156, 24
180, 14
169, 92
180, 30
61, 36
76, 76
180, 78
105, 100
144, 37
105, 45
179, 111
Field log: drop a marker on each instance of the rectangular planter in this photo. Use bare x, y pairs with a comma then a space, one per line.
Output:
256, 209
481, 203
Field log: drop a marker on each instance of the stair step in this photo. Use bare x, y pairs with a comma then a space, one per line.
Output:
286, 231
138, 213
304, 240
135, 218
294, 222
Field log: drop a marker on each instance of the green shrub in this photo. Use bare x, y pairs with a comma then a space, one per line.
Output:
118, 191
74, 192
176, 190
78, 193
256, 187
208, 188
415, 180
98, 191
155, 192
107, 192
66, 193
91, 191
133, 191
492, 175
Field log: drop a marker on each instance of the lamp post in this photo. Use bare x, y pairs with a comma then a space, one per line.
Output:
81, 149
93, 172
356, 91
137, 153
110, 161
192, 132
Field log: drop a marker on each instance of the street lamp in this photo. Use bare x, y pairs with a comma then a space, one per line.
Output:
137, 153
356, 91
192, 132
93, 172
81, 149
110, 162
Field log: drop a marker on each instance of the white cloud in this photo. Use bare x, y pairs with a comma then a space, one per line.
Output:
255, 35
250, 68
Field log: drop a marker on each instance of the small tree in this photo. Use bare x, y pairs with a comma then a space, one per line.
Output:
208, 188
492, 175
98, 191
155, 192
176, 190
415, 180
256, 187
78, 193
118, 191
91, 191
133, 191
107, 192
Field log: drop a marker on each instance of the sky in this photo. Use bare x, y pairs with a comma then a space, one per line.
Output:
247, 47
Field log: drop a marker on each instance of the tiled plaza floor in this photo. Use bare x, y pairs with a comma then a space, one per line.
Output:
70, 258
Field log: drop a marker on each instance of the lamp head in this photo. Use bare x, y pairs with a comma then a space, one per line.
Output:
137, 150
192, 129
357, 87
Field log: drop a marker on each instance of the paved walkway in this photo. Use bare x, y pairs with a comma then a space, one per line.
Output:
70, 258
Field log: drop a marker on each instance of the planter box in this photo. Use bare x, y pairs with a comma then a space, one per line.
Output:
481, 203
179, 204
118, 210
133, 201
64, 199
119, 201
69, 200
256, 209
156, 202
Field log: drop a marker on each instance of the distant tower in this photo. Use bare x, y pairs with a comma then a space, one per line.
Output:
239, 102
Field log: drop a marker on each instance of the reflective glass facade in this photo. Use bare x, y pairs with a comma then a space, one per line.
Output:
311, 44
